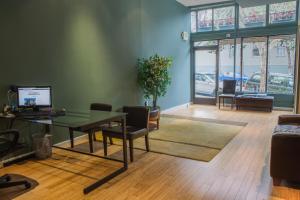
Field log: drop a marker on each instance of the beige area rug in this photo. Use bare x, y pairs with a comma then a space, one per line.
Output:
192, 138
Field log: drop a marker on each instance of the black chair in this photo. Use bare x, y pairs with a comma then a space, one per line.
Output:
101, 107
137, 125
8, 142
98, 107
229, 87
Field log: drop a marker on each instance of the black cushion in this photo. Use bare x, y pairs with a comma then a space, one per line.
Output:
131, 132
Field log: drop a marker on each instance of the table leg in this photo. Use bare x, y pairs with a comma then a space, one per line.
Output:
124, 143
219, 102
91, 133
71, 137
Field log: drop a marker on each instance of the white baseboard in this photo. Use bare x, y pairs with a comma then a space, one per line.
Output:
186, 105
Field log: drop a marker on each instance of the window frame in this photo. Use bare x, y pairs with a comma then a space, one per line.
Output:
255, 27
237, 28
291, 22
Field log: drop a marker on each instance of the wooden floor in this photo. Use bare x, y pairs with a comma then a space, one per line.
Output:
240, 171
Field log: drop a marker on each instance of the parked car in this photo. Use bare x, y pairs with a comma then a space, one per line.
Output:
277, 83
205, 84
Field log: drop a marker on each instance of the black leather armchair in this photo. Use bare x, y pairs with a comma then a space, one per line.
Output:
285, 148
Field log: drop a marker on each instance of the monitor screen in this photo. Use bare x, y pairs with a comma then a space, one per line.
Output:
34, 96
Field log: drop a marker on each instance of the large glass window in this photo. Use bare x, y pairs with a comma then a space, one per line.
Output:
281, 69
254, 64
205, 73
226, 61
193, 22
283, 12
252, 16
205, 20
224, 18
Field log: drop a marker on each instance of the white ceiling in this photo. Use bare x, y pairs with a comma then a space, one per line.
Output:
198, 2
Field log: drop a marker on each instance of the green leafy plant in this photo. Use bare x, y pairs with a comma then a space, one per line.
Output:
154, 77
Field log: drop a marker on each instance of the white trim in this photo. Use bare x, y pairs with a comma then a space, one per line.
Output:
186, 105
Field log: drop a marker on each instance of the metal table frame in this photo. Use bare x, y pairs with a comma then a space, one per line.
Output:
90, 129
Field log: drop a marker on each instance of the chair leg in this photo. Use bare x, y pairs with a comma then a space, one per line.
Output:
71, 137
131, 149
94, 136
157, 124
147, 142
105, 145
111, 141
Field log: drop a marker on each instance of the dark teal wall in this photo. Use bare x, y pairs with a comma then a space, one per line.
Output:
87, 49
162, 24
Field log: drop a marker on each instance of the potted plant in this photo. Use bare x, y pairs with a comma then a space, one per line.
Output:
154, 79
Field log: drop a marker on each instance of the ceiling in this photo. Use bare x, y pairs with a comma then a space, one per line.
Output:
243, 3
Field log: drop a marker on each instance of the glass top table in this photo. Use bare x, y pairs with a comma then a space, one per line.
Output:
84, 121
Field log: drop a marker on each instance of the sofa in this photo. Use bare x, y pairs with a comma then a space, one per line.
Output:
285, 150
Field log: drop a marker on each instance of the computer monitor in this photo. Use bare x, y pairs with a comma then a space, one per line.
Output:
34, 97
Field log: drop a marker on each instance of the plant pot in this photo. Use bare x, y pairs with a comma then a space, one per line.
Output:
154, 118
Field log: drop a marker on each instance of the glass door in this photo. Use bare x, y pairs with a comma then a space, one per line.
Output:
205, 76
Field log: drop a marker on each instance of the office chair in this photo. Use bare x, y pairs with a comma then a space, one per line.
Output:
137, 125
229, 87
8, 142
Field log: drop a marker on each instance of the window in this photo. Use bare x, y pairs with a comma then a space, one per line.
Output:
281, 69
224, 18
252, 17
193, 22
280, 51
283, 12
255, 51
205, 20
255, 68
206, 43
226, 62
